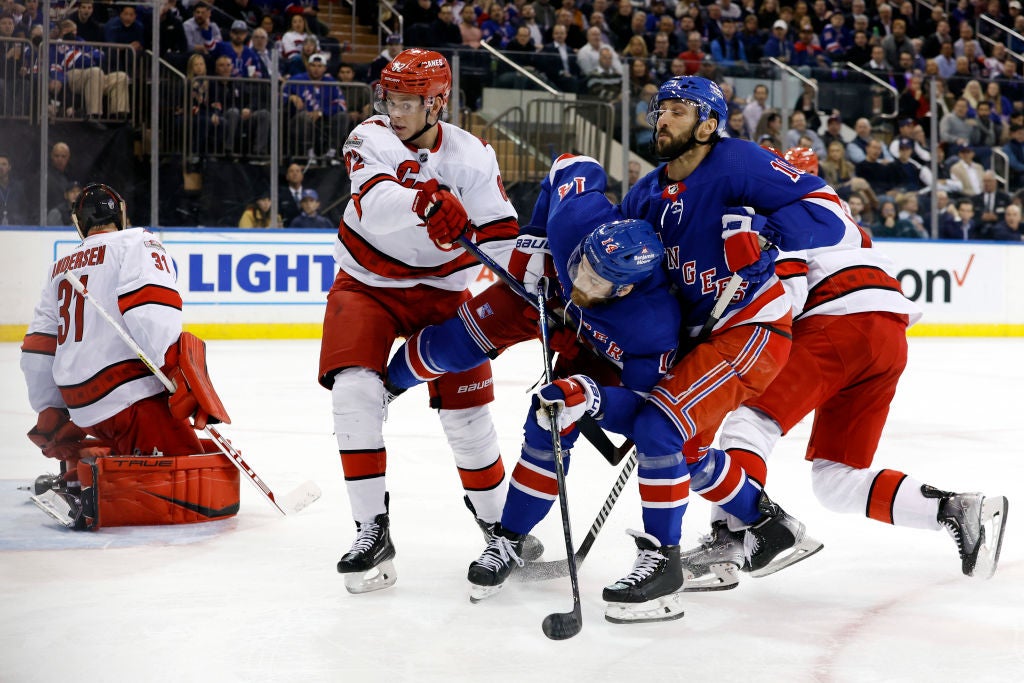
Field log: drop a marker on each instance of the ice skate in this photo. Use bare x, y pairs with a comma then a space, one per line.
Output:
715, 564
653, 590
976, 523
367, 565
532, 547
500, 558
776, 540
63, 503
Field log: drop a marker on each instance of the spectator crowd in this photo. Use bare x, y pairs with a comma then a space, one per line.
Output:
879, 158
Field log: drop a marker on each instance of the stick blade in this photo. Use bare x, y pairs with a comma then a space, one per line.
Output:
302, 497
563, 625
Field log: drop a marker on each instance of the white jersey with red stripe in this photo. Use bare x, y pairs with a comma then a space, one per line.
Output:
383, 243
850, 277
72, 357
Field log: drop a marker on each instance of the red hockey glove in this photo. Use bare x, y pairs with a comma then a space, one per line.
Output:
443, 213
194, 396
573, 397
57, 435
741, 229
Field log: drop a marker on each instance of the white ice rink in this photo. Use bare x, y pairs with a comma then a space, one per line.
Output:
257, 598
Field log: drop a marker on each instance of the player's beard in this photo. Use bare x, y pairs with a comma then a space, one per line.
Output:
583, 301
675, 146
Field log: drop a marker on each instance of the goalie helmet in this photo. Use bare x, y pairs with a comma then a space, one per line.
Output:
416, 72
622, 252
98, 204
803, 158
702, 92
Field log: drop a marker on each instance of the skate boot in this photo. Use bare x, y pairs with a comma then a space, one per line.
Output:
367, 565
776, 540
976, 523
45, 482
532, 547
715, 564
502, 555
653, 590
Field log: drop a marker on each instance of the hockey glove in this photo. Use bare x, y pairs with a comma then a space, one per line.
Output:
194, 396
443, 213
531, 260
743, 252
573, 397
57, 435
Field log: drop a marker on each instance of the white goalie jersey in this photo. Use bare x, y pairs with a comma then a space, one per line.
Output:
72, 357
383, 243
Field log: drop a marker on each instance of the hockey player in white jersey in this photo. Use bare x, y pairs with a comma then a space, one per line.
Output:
398, 272
94, 396
849, 350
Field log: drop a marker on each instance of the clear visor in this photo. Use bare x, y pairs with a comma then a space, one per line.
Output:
385, 103
670, 108
585, 279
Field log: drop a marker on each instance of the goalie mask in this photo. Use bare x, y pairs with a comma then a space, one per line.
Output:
98, 204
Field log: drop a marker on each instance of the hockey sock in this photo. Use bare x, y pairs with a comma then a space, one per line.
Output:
885, 495
718, 478
664, 494
532, 490
358, 398
433, 351
474, 444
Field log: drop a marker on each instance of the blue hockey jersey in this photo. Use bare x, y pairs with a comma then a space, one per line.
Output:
802, 212
638, 332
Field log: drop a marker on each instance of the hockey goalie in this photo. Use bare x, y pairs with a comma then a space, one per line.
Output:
127, 448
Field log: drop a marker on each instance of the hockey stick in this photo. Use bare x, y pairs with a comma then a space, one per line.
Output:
542, 571
588, 426
559, 625
303, 495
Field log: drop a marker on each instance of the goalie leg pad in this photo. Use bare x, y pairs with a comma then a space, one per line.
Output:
139, 490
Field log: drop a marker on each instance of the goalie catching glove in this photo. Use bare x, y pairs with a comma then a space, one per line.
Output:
744, 255
194, 396
573, 397
56, 435
443, 213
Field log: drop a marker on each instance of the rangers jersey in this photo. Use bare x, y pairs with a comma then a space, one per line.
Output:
383, 243
638, 332
802, 213
72, 357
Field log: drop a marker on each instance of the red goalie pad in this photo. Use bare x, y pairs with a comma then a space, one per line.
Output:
195, 396
123, 490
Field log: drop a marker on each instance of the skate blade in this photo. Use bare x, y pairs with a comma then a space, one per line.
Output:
379, 577
721, 576
993, 520
666, 608
55, 506
803, 549
481, 593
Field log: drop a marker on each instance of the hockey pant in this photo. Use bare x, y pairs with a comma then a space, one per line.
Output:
358, 407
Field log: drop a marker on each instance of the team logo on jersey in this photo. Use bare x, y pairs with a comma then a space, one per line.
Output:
484, 311
424, 155
673, 191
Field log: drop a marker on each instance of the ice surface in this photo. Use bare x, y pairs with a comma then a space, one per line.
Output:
257, 598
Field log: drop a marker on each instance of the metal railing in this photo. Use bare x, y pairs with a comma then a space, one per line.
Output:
92, 80
882, 84
16, 83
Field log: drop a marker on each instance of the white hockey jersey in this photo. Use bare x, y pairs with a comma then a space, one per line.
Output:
850, 277
72, 357
383, 243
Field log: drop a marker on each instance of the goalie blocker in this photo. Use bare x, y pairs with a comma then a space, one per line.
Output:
120, 490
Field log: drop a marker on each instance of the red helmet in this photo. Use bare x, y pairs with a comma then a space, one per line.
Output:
418, 72
803, 158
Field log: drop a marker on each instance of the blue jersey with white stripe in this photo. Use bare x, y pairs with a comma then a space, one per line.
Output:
802, 212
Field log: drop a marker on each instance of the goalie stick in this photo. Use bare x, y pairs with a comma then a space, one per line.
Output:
294, 501
588, 426
559, 625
